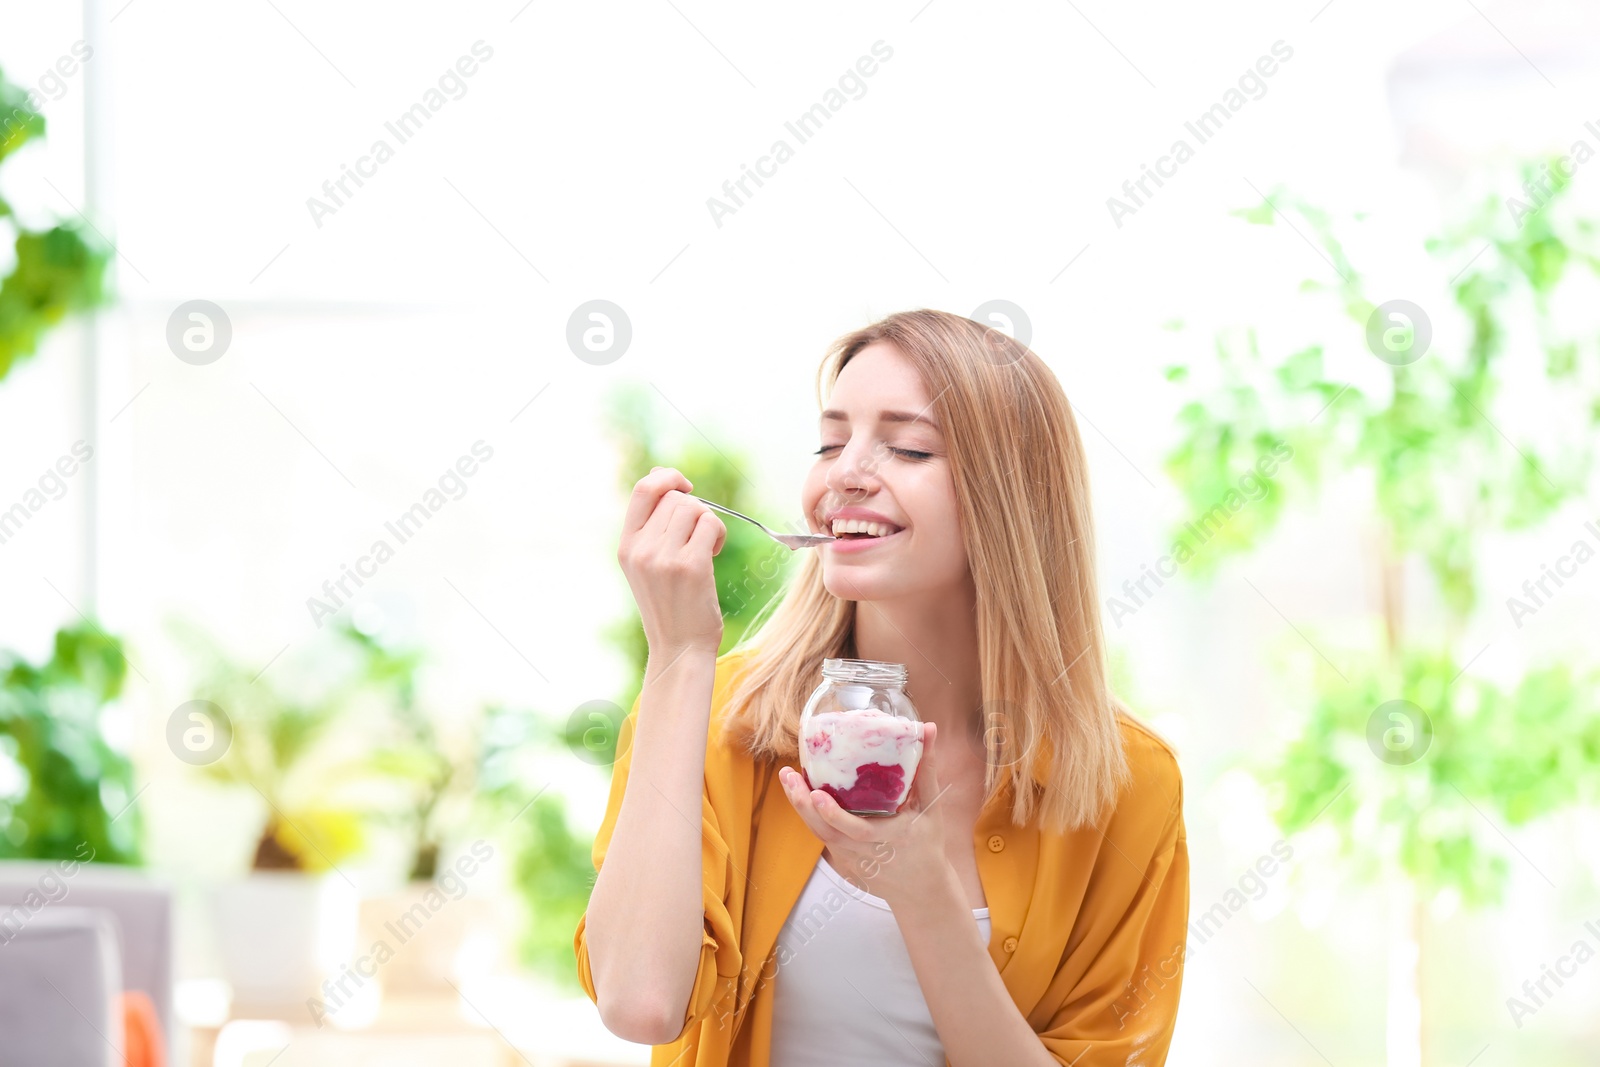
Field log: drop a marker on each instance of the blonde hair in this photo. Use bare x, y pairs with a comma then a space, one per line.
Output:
1022, 490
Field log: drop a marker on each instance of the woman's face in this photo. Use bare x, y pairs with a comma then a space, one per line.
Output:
878, 456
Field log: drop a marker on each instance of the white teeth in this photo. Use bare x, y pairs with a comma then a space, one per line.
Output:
874, 529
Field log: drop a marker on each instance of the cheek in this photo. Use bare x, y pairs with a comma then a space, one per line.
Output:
936, 522
929, 500
942, 550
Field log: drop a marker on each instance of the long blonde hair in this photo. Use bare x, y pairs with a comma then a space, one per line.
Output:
1022, 489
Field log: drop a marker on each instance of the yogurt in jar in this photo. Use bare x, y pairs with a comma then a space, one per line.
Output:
865, 759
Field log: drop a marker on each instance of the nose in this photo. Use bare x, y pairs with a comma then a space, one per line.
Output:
854, 471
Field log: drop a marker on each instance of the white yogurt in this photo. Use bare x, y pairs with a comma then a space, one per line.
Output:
838, 743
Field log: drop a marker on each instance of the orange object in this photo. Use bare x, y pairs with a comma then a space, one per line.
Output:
1088, 928
143, 1045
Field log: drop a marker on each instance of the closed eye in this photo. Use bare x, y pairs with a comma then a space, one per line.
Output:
907, 452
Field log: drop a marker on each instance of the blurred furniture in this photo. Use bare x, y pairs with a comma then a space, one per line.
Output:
504, 1024
133, 910
60, 974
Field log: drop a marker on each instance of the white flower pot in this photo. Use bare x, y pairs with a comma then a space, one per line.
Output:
279, 935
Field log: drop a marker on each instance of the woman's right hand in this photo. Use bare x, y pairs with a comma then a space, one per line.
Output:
668, 540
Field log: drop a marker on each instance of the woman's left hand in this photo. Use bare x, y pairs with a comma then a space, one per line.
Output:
897, 855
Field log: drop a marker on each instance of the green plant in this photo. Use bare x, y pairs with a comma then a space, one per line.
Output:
303, 753
71, 786
1428, 442
435, 784
750, 570
58, 270
434, 773
551, 868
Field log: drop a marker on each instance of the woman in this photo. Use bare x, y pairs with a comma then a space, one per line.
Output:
1028, 904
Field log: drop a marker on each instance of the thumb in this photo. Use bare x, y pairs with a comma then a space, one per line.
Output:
927, 781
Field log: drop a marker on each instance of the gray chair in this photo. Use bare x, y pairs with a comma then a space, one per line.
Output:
59, 980
139, 906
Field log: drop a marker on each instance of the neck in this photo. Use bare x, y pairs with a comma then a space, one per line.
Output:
936, 637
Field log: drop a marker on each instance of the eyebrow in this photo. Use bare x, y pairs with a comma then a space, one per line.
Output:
833, 414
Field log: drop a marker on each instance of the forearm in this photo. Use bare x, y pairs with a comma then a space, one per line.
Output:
646, 913
977, 1021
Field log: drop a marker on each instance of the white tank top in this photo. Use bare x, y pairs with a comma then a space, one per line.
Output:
839, 936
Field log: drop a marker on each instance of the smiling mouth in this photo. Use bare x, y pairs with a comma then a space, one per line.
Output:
854, 529
858, 535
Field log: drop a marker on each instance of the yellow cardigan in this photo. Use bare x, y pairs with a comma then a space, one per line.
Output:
1087, 928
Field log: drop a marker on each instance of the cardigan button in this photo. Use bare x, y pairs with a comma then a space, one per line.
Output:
1011, 944
996, 843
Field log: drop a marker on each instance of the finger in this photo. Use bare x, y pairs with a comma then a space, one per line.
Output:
645, 501
852, 826
672, 521
648, 491
685, 517
722, 533
708, 531
794, 787
821, 804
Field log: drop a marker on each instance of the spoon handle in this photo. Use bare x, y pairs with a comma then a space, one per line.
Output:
727, 510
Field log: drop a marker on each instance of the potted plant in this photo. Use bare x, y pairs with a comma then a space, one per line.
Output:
428, 771
289, 922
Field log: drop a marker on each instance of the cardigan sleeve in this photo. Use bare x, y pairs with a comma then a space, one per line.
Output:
1124, 1006
719, 963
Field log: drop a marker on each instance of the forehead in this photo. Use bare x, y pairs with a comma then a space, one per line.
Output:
879, 384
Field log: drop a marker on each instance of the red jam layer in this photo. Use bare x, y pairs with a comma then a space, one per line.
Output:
877, 789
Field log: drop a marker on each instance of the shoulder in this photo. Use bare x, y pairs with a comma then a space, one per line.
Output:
1105, 865
1149, 805
1113, 857
1151, 757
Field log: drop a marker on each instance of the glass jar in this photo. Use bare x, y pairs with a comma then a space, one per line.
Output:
860, 736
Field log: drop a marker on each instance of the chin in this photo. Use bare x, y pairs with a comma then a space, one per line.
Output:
854, 590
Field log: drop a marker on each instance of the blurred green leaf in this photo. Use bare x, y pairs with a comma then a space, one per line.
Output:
1446, 469
58, 270
76, 787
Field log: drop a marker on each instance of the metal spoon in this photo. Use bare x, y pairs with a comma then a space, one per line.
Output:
789, 541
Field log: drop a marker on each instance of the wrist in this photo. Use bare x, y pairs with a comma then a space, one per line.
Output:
661, 656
